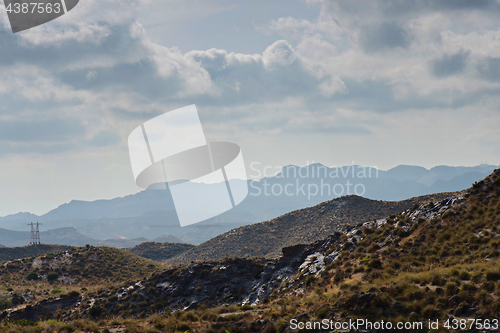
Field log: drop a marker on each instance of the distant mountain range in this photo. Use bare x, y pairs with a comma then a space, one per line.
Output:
150, 213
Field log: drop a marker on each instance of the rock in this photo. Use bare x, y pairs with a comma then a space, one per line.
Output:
292, 251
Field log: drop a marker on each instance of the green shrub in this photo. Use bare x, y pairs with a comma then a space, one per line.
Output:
450, 288
57, 290
438, 280
52, 276
32, 276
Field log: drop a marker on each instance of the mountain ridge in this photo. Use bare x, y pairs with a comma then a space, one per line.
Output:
149, 212
301, 226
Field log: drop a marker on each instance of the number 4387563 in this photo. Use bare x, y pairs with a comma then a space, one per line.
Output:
33, 7
471, 324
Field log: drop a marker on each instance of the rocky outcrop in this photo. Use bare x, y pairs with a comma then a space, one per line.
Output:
41, 310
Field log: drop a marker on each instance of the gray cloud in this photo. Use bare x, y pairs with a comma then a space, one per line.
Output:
383, 10
104, 138
489, 69
47, 130
449, 65
384, 36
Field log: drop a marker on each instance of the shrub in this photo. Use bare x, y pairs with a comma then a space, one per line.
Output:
52, 276
309, 279
366, 258
493, 275
95, 311
322, 311
464, 275
438, 280
375, 264
32, 276
450, 288
57, 290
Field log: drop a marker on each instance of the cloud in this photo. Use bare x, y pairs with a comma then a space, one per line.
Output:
104, 138
449, 65
382, 37
46, 130
489, 69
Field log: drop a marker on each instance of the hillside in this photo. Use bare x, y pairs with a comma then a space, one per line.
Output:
72, 270
159, 251
8, 253
302, 226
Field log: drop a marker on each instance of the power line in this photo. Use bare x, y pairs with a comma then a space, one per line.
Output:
35, 233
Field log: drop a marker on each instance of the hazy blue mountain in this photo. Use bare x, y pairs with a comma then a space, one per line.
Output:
406, 172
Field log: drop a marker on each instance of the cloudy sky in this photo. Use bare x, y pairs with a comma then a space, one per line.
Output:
377, 83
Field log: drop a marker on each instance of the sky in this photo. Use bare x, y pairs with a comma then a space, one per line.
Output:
376, 83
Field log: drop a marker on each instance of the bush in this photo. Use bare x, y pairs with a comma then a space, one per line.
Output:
438, 280
95, 311
52, 276
57, 290
32, 276
375, 264
493, 275
464, 275
450, 288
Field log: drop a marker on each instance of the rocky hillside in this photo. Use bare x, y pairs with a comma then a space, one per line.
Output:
302, 226
160, 251
74, 269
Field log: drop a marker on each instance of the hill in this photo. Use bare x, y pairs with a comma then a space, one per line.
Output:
9, 253
302, 226
76, 270
160, 251
167, 239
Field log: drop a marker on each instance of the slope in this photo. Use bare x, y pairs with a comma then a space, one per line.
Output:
298, 227
9, 253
